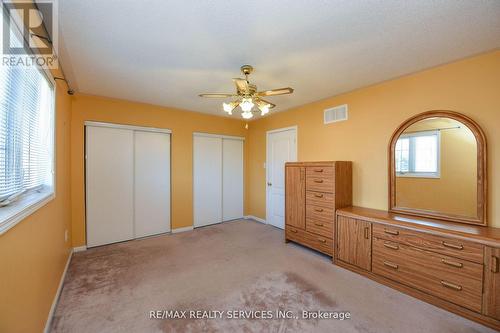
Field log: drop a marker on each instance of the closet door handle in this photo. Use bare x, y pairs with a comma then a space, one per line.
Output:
367, 233
319, 181
453, 246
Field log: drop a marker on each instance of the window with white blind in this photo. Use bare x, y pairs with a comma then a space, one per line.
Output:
26, 142
418, 155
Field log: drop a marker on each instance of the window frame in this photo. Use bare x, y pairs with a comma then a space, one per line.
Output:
413, 174
30, 202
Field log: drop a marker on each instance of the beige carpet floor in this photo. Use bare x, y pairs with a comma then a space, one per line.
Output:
242, 265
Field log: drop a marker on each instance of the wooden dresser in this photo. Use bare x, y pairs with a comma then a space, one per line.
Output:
313, 191
452, 265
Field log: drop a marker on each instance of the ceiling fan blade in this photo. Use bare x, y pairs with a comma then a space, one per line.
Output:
241, 85
217, 95
275, 92
271, 105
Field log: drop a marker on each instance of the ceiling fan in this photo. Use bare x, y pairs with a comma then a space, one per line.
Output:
247, 96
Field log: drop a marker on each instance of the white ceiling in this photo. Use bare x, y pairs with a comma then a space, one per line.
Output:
167, 52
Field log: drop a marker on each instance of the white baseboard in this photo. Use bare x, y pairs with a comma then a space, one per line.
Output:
58, 293
178, 230
79, 249
255, 218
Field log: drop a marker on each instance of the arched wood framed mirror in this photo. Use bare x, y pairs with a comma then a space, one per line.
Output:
437, 168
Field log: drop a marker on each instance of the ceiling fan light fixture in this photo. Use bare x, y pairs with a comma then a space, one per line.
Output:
247, 96
247, 105
264, 109
247, 115
229, 107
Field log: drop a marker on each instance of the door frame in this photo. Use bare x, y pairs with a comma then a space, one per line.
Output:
268, 133
125, 126
90, 123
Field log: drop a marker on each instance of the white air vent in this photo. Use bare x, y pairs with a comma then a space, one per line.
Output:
338, 113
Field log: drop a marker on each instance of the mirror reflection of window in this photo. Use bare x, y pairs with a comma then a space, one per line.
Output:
436, 167
403, 156
417, 154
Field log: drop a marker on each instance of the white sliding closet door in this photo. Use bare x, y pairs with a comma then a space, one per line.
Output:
127, 183
152, 183
110, 184
218, 179
207, 180
232, 179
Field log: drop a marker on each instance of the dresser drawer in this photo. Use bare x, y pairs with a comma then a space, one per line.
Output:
325, 172
320, 179
294, 234
454, 280
311, 240
320, 199
320, 214
448, 246
324, 229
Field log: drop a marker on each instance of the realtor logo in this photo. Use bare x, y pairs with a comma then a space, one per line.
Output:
29, 33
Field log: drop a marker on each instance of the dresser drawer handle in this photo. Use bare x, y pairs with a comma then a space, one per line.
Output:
319, 210
319, 181
391, 246
495, 265
367, 232
391, 232
318, 195
319, 224
391, 265
453, 246
294, 231
321, 240
451, 285
452, 263
318, 170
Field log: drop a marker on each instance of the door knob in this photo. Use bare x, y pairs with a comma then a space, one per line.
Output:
269, 184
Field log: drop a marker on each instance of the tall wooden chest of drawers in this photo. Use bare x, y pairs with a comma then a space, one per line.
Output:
313, 191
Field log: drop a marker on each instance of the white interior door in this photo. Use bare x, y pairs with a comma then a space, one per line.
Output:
110, 183
232, 179
152, 183
281, 148
207, 180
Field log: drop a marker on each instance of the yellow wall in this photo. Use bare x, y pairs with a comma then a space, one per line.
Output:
455, 191
33, 253
470, 86
182, 124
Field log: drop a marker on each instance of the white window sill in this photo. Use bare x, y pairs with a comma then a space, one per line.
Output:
418, 175
19, 210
